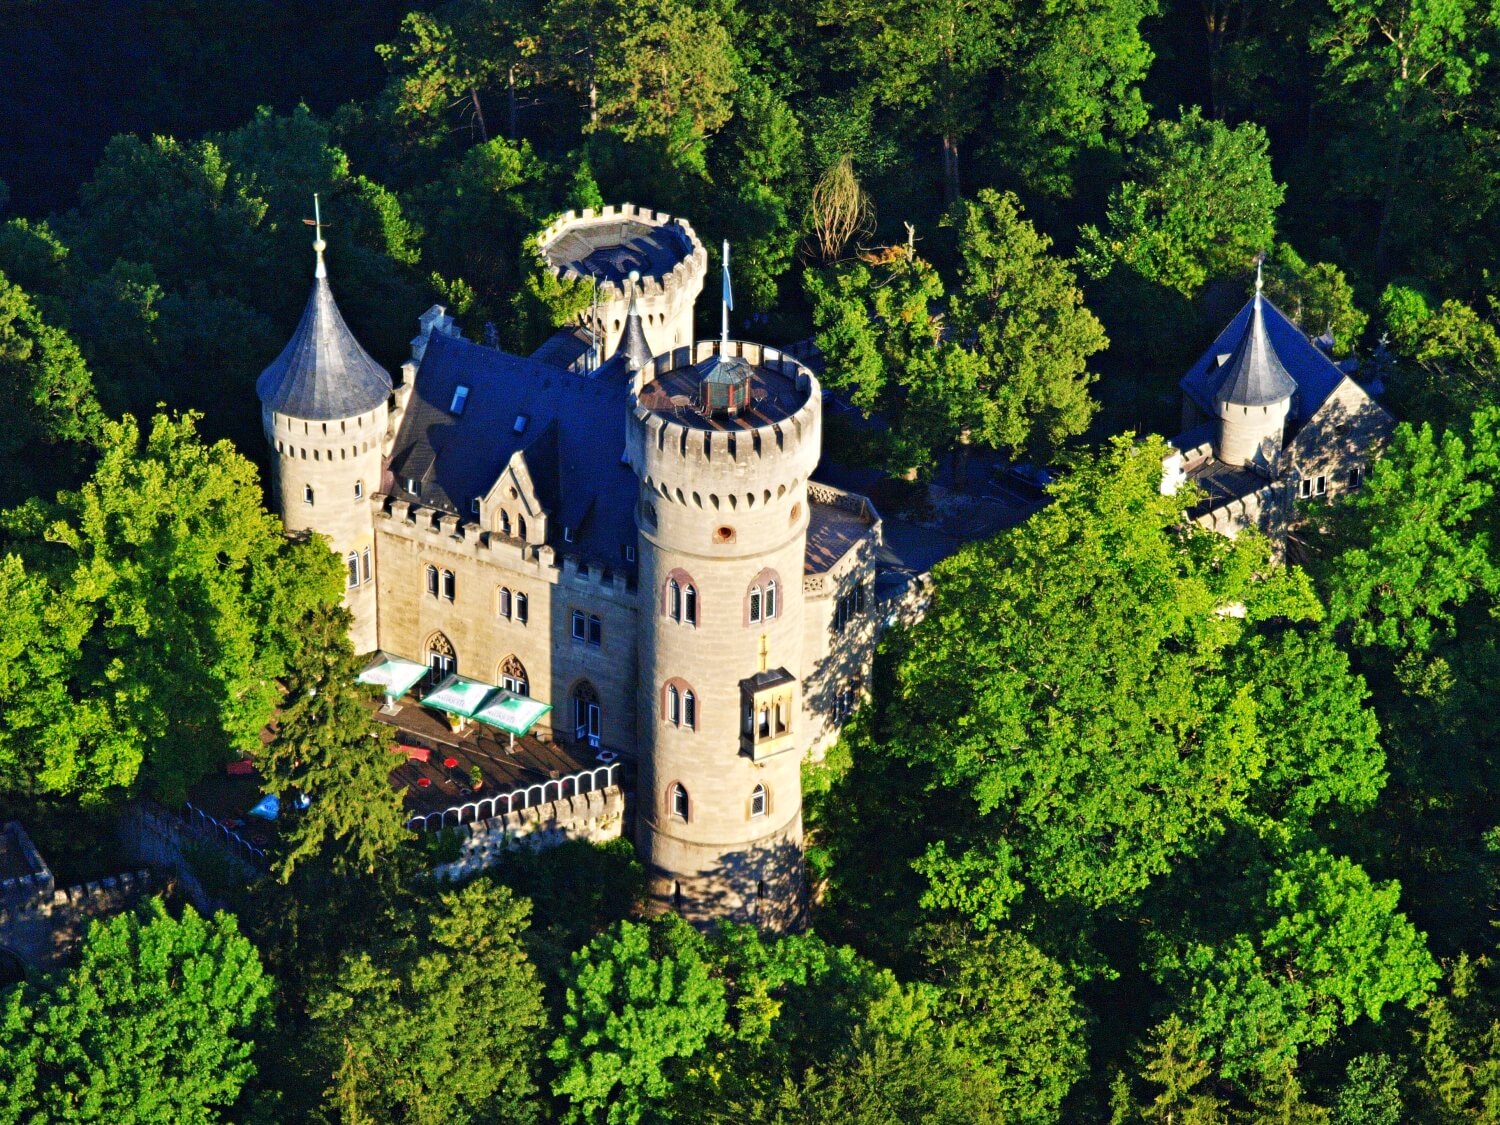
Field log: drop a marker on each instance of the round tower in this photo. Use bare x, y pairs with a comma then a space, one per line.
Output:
722, 437
324, 406
609, 245
1253, 396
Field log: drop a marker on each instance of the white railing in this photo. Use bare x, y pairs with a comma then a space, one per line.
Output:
553, 789
202, 821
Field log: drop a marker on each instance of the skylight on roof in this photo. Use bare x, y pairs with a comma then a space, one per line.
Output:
520, 426
460, 396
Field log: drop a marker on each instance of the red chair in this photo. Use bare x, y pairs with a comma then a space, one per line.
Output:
413, 753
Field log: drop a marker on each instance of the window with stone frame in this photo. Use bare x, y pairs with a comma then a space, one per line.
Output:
677, 801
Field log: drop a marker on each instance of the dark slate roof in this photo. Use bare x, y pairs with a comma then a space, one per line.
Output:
1282, 351
323, 373
572, 442
634, 349
1254, 375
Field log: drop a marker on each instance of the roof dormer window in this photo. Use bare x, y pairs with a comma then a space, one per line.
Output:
520, 426
411, 486
567, 535
460, 396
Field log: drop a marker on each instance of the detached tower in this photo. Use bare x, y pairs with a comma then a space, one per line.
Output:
722, 436
324, 406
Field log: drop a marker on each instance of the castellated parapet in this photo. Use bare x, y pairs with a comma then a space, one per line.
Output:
324, 474
607, 245
723, 513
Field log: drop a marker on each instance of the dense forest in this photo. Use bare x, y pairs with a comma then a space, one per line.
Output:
1095, 849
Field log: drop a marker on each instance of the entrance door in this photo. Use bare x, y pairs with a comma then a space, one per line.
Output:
441, 658
587, 716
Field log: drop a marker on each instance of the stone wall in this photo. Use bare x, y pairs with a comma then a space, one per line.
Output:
595, 816
46, 929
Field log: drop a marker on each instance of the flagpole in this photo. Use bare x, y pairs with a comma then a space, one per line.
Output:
727, 300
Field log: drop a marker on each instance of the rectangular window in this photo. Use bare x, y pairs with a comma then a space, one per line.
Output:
596, 631
460, 396
1321, 486
366, 565
353, 561
432, 582
567, 535
359, 489
474, 505
521, 608
580, 626
630, 554
1305, 490
520, 426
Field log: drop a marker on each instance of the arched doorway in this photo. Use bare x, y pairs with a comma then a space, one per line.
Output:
441, 659
513, 676
587, 715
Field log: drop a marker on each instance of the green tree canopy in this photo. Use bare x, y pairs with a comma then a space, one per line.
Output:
177, 593
1198, 202
151, 1026
440, 1023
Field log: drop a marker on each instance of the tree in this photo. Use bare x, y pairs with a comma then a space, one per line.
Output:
152, 1026
178, 593
1023, 311
328, 748
1079, 730
1407, 65
640, 998
1172, 1059
1330, 947
440, 1024
1460, 1045
1013, 1012
1371, 1092
47, 396
1198, 202
1317, 297
1448, 357
928, 61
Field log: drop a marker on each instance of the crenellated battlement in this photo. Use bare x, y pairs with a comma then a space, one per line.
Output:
688, 458
685, 276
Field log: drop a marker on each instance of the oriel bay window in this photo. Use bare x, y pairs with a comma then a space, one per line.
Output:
766, 701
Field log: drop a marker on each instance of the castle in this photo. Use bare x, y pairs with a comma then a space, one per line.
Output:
1270, 420
632, 540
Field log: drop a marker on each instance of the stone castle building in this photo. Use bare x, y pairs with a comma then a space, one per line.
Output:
636, 542
1270, 420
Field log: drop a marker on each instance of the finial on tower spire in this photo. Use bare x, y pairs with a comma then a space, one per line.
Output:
1259, 281
316, 222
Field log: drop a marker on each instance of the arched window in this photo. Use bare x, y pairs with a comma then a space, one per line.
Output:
513, 676
359, 490
677, 801
307, 494
504, 602
690, 605
523, 608
588, 716
674, 599
450, 585
679, 600
521, 526
504, 522
763, 597
353, 562
440, 657
679, 704
758, 801
432, 581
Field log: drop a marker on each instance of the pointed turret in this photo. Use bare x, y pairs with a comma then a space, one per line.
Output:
634, 349
322, 373
325, 414
1252, 394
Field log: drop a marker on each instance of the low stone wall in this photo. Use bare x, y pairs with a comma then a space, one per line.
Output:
596, 816
48, 928
155, 837
17, 889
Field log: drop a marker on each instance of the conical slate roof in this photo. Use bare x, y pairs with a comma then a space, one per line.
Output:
323, 373
633, 347
1254, 374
